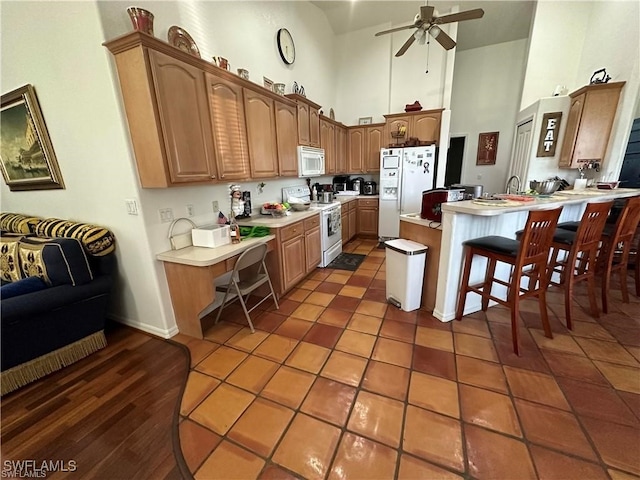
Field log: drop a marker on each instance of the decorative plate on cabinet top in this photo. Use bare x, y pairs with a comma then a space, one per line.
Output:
332, 115
179, 38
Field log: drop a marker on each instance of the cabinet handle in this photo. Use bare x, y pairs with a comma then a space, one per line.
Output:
222, 176
213, 176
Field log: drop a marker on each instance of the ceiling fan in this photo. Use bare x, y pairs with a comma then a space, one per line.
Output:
425, 22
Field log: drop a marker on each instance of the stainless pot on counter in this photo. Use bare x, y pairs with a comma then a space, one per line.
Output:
325, 197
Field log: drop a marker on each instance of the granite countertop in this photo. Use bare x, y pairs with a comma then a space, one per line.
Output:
204, 257
415, 218
558, 199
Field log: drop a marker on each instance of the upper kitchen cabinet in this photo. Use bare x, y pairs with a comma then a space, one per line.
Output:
355, 150
226, 105
172, 141
591, 114
328, 143
308, 121
363, 148
286, 137
341, 149
261, 134
374, 138
423, 125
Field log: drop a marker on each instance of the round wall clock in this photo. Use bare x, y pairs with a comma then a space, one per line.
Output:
286, 47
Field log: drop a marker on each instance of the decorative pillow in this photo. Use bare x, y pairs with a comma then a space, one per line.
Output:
57, 261
98, 241
9, 260
25, 285
18, 223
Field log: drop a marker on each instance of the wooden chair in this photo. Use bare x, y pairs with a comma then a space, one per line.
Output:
617, 246
580, 251
528, 257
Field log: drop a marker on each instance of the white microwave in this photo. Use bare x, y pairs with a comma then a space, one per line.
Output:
310, 161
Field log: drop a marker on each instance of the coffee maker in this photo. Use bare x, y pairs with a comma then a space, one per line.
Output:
370, 188
357, 184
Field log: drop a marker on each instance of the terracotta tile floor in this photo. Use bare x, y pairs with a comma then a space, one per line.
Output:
337, 384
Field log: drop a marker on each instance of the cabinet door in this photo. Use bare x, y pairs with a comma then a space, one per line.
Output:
375, 138
261, 134
353, 223
571, 132
287, 135
341, 149
327, 142
293, 261
304, 134
186, 127
426, 127
314, 127
355, 146
313, 248
368, 221
229, 128
344, 217
393, 126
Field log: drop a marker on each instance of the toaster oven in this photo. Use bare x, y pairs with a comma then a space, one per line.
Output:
432, 201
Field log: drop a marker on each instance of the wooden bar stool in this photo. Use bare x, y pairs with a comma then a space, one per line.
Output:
580, 251
616, 248
527, 257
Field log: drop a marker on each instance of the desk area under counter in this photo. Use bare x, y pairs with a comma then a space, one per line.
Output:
465, 220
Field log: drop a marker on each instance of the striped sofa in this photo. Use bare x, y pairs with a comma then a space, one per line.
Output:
56, 279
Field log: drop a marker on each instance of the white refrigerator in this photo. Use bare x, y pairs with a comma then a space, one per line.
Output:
404, 174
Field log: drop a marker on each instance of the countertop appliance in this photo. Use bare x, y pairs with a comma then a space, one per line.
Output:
330, 222
357, 184
470, 191
341, 183
432, 201
310, 162
404, 174
370, 188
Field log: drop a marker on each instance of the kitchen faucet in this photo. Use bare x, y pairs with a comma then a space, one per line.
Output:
518, 184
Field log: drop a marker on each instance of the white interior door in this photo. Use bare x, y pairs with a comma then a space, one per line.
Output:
521, 151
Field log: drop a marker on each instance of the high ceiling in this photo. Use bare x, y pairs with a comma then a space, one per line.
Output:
503, 21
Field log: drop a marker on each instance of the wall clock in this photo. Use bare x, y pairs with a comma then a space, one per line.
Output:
286, 47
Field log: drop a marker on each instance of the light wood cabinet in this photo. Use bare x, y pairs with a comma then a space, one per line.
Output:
308, 120
374, 137
344, 219
423, 125
261, 134
286, 135
591, 115
368, 216
341, 149
293, 262
312, 243
327, 142
349, 219
353, 221
229, 128
355, 150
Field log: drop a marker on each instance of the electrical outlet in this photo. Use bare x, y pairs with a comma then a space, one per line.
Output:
190, 210
479, 177
216, 207
132, 206
166, 215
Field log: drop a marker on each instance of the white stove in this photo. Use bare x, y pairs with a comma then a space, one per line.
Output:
330, 222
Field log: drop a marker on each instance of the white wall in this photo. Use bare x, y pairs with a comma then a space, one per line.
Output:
70, 71
486, 91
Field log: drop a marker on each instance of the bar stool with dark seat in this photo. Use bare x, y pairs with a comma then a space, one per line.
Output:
580, 252
616, 249
527, 257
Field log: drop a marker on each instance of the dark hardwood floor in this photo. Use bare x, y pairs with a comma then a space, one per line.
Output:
114, 413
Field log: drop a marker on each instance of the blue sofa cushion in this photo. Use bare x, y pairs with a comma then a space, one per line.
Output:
57, 261
26, 285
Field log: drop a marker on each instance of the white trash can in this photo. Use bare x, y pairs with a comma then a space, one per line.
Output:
405, 261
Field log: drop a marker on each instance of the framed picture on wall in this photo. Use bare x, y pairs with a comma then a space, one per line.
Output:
487, 148
365, 120
27, 159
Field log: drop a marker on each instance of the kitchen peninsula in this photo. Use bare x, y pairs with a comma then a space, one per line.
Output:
466, 220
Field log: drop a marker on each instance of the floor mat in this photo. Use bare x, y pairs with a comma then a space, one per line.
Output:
347, 261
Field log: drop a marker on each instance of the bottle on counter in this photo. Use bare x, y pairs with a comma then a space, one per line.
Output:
234, 229
314, 194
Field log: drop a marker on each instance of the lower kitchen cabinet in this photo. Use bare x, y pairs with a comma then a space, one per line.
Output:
349, 219
312, 243
353, 220
368, 216
294, 263
344, 219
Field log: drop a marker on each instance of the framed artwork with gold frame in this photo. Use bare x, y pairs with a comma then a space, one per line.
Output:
27, 159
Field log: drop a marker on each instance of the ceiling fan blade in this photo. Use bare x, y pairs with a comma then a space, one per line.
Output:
397, 29
406, 46
426, 14
460, 17
445, 40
